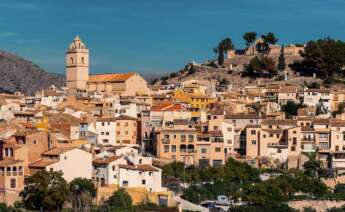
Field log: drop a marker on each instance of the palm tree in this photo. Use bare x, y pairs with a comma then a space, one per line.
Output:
223, 46
250, 37
312, 167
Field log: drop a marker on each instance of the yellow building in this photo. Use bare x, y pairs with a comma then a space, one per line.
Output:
196, 99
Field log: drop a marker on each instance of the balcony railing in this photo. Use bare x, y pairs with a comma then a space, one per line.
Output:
11, 173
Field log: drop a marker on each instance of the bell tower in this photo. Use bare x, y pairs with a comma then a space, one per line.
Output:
77, 65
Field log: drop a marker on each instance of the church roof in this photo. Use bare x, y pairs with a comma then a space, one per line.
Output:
118, 77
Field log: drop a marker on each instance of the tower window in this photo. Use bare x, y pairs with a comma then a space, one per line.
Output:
71, 59
82, 60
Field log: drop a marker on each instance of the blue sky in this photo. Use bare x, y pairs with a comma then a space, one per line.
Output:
156, 35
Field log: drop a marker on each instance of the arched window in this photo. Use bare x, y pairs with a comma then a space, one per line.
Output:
140, 161
82, 60
71, 60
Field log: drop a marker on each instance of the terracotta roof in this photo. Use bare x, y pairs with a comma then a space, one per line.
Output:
117, 77
322, 121
279, 122
253, 126
338, 123
242, 116
9, 162
306, 129
42, 163
143, 167
124, 117
105, 160
106, 119
57, 151
166, 106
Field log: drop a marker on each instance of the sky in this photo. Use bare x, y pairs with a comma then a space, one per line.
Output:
156, 36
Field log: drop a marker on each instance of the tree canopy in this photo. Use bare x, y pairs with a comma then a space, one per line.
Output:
260, 66
222, 47
82, 191
324, 57
249, 37
45, 190
120, 200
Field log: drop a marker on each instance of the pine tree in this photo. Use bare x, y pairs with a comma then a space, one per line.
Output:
281, 63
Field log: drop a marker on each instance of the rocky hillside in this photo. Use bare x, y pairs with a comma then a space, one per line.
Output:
18, 74
231, 72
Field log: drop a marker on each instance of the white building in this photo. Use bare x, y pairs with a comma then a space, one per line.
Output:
73, 162
132, 171
315, 97
141, 175
106, 129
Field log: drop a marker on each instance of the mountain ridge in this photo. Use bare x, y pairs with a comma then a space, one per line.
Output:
19, 74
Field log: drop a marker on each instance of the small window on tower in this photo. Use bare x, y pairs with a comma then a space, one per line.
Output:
82, 60
71, 60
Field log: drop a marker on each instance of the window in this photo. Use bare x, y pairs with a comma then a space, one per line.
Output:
294, 132
13, 183
117, 132
35, 142
105, 141
190, 138
126, 132
183, 138
118, 124
203, 150
82, 60
229, 141
166, 148
251, 121
102, 123
294, 141
126, 124
125, 183
143, 182
293, 148
253, 132
215, 127
102, 133
254, 142
264, 136
113, 168
108, 123
115, 176
51, 169
140, 161
229, 129
173, 148
271, 135
107, 133
217, 149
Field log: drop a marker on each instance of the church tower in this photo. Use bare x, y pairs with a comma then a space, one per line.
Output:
77, 65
